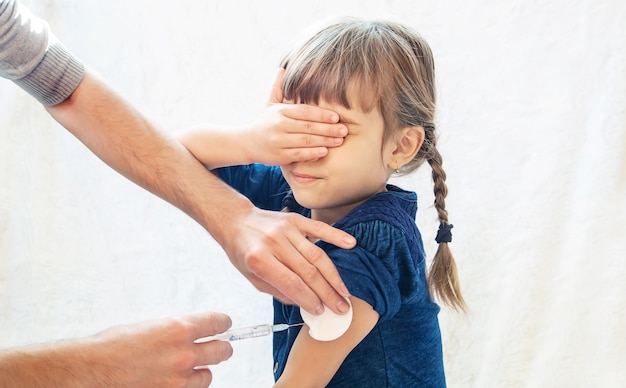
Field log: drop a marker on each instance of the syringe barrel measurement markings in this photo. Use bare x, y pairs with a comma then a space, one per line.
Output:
246, 332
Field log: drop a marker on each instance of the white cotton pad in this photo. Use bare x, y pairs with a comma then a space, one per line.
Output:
327, 326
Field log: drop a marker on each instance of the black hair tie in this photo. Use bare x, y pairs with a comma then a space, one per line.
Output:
444, 234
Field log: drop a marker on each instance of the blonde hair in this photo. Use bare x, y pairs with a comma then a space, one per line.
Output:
393, 70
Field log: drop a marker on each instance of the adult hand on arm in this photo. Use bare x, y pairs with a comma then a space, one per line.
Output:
271, 250
159, 353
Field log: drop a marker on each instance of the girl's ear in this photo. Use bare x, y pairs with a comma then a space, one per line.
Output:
407, 146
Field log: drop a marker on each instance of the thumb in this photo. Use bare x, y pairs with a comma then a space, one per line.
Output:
276, 96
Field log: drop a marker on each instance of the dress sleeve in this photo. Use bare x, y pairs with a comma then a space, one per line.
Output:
32, 57
263, 185
380, 269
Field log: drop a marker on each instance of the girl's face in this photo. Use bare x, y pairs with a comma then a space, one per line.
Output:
349, 174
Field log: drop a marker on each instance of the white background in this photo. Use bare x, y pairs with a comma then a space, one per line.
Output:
533, 134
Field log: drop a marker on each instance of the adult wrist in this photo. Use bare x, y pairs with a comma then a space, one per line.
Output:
235, 208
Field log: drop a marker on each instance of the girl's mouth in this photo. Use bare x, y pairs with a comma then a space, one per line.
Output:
303, 178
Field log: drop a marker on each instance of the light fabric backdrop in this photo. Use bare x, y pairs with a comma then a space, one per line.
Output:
533, 133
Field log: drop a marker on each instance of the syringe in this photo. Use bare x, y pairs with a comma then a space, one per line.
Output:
247, 332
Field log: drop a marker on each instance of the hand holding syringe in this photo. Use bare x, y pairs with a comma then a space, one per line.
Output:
247, 332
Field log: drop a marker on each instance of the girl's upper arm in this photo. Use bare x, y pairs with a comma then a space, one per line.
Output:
313, 363
213, 147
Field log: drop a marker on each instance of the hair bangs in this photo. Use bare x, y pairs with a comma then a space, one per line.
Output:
336, 67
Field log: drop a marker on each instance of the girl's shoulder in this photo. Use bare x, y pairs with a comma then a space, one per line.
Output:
395, 207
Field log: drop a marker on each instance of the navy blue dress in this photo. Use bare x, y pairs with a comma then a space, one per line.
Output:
386, 269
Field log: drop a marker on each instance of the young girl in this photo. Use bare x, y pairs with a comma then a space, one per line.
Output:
379, 77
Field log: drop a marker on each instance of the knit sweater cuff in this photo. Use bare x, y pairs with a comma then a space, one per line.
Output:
56, 77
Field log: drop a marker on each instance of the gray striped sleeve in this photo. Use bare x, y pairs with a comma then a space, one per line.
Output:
56, 77
33, 58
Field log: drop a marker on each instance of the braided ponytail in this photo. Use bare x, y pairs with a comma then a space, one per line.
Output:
443, 279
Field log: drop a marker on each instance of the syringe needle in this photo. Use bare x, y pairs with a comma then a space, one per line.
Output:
284, 326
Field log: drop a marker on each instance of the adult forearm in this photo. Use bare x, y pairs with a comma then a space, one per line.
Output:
124, 139
56, 365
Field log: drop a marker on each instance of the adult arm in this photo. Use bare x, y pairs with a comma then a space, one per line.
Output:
253, 239
159, 353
